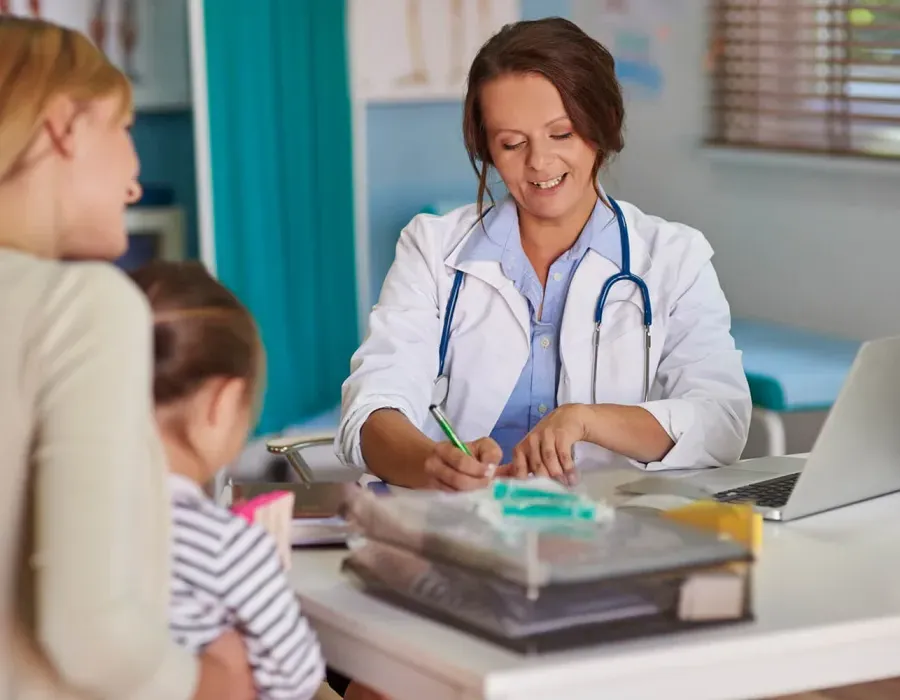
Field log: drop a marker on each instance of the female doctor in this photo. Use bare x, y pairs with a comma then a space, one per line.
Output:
527, 321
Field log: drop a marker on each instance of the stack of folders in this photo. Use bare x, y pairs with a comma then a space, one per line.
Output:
536, 587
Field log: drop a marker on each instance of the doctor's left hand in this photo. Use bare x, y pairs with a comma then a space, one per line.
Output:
547, 449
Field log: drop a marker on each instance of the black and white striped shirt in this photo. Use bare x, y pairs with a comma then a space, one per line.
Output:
226, 574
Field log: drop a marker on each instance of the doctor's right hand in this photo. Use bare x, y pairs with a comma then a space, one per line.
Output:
450, 469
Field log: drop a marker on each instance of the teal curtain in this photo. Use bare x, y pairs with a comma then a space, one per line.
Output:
280, 132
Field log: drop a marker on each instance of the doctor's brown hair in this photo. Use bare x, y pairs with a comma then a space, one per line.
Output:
580, 68
200, 331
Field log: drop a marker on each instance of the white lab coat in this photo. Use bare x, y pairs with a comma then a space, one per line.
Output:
699, 393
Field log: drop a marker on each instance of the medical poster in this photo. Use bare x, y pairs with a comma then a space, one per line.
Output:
635, 32
410, 50
146, 39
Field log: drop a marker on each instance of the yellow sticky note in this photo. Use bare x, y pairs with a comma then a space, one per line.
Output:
740, 522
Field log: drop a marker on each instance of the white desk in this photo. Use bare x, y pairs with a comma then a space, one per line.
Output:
827, 600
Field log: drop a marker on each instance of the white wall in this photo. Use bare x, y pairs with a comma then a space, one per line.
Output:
802, 240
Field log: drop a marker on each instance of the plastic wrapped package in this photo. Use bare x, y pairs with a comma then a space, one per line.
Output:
453, 529
543, 583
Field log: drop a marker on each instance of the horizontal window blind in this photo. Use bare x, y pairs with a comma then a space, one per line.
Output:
818, 76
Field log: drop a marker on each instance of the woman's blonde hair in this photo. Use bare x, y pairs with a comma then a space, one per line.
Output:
39, 62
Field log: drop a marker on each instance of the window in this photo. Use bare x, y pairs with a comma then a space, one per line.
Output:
818, 76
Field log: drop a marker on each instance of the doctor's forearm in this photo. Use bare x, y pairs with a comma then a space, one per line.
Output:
631, 431
394, 449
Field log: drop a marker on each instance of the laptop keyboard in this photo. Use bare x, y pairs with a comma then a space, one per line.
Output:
772, 493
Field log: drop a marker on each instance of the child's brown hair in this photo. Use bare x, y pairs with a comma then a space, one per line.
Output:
200, 331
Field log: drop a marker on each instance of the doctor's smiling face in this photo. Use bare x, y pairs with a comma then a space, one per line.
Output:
545, 164
544, 109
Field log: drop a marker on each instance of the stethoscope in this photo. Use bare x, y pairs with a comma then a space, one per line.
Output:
442, 382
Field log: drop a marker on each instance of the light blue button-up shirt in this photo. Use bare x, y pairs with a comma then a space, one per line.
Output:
534, 395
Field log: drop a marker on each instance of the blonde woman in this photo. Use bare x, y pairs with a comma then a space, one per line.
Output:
84, 579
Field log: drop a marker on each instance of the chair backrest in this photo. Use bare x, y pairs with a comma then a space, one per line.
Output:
312, 458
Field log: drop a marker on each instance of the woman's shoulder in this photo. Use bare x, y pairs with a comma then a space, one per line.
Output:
440, 232
99, 293
40, 287
664, 239
61, 301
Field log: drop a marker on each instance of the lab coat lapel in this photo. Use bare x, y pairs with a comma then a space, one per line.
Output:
491, 274
477, 396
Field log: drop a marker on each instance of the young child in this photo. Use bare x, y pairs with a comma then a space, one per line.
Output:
226, 573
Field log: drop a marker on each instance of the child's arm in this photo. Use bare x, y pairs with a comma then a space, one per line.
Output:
285, 651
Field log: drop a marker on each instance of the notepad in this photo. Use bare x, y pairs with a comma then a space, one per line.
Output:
310, 532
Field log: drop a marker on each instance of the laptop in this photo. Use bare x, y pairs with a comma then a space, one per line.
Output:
856, 455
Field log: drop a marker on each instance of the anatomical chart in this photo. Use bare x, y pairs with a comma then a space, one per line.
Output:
407, 50
146, 39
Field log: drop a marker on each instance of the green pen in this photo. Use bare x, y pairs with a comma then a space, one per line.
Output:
448, 429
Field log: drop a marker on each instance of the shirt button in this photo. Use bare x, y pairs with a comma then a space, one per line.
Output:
557, 276
542, 409
545, 342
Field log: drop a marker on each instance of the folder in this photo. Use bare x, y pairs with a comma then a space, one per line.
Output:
736, 521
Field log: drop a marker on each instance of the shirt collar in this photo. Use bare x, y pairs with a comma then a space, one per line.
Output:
492, 235
180, 485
